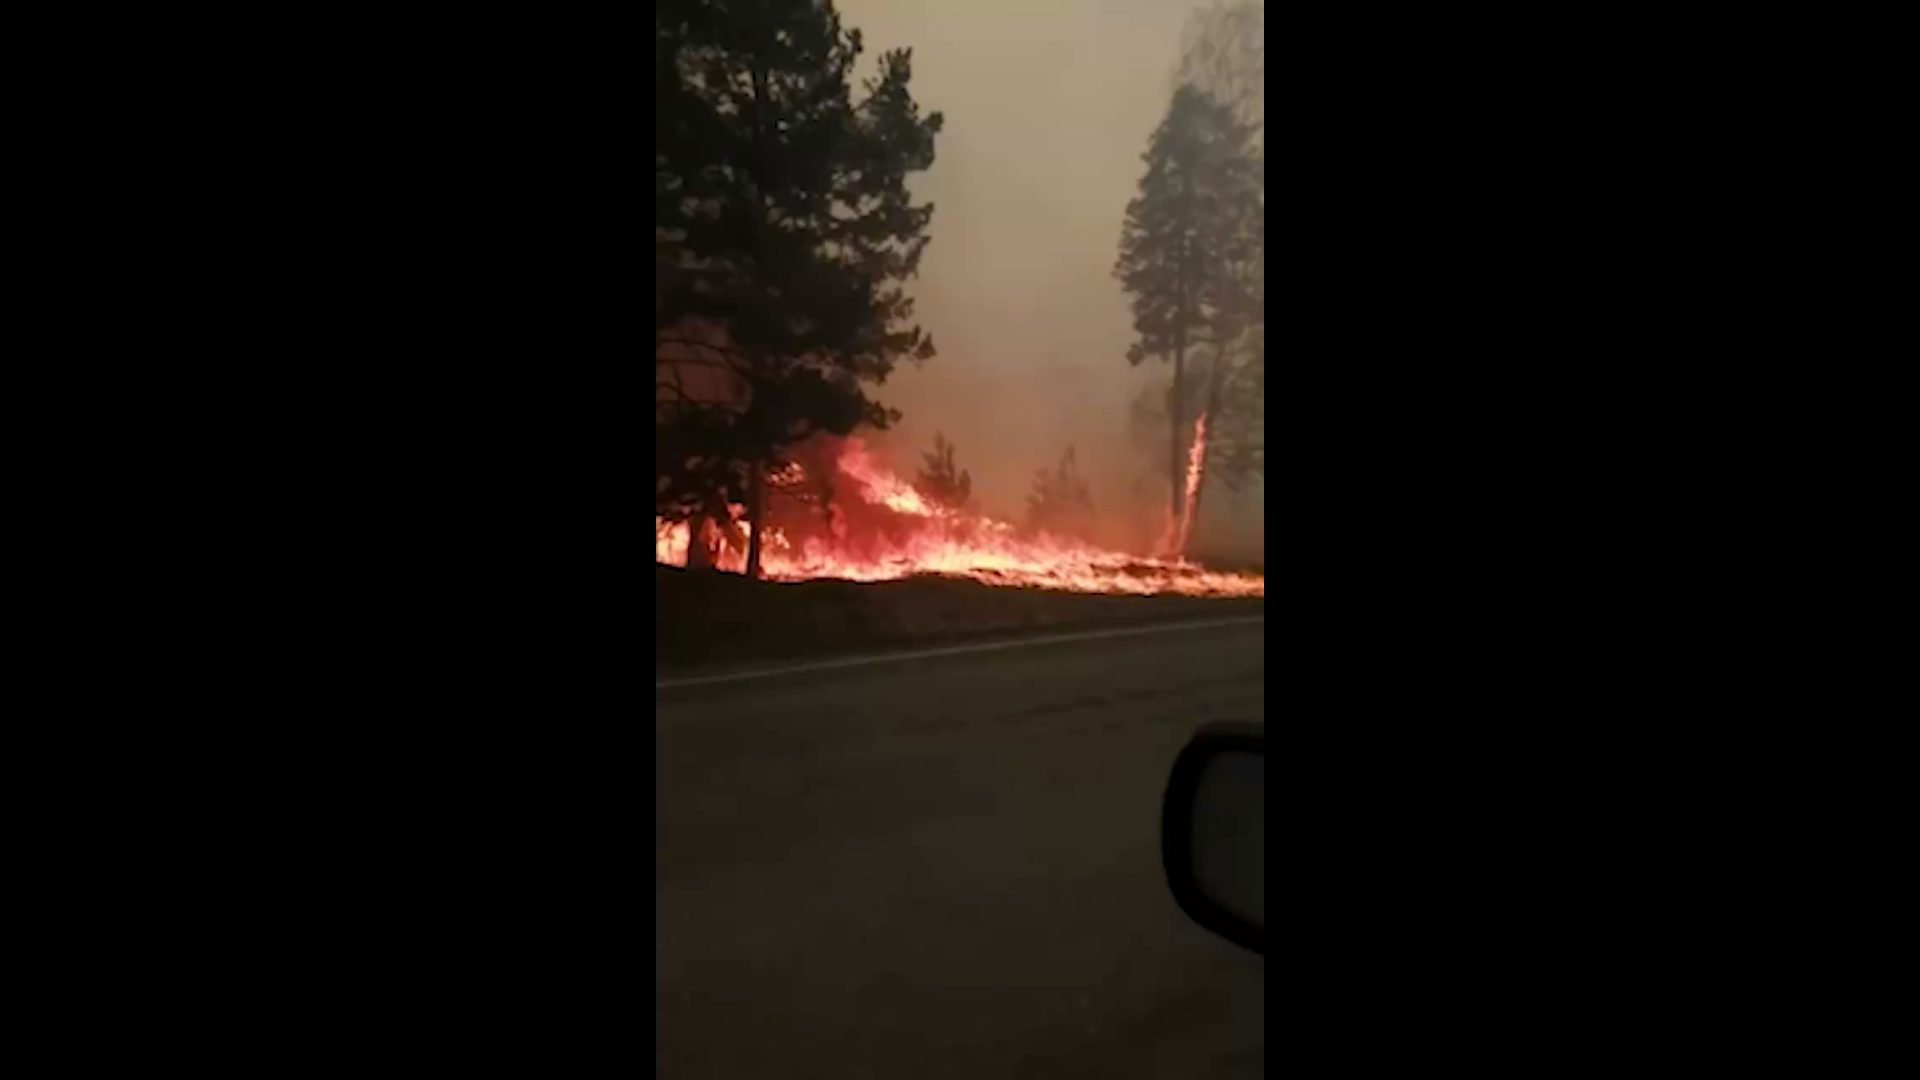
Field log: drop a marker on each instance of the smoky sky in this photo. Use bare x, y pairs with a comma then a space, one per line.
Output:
1048, 107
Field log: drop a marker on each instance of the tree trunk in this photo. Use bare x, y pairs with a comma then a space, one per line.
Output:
1178, 407
758, 169
1216, 379
756, 517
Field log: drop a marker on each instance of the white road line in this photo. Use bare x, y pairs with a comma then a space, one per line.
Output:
952, 650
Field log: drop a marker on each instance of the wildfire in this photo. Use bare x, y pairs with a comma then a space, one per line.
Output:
910, 535
1173, 540
878, 485
1196, 460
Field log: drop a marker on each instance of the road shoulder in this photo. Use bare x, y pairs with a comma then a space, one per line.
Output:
707, 622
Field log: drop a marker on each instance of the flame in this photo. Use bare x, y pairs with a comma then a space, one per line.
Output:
1173, 538
921, 537
670, 542
877, 485
1196, 460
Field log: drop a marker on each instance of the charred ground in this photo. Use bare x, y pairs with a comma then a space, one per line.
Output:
705, 617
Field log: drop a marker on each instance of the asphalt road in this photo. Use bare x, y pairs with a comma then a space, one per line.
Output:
946, 867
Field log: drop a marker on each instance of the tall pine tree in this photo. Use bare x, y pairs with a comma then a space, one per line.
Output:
1223, 53
1184, 233
784, 219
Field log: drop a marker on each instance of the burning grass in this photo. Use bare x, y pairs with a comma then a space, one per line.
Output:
702, 617
882, 529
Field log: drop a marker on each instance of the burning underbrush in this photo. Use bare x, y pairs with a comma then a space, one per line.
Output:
858, 521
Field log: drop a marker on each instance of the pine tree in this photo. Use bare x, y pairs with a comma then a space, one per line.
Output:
1236, 366
1223, 53
940, 480
1060, 503
784, 219
1183, 232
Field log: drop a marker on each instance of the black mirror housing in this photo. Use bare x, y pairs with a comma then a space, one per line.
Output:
1212, 832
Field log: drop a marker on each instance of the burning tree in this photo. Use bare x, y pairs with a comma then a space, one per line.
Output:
783, 231
1232, 418
943, 483
879, 527
1186, 248
1223, 53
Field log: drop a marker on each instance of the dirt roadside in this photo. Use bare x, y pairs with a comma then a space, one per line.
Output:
703, 618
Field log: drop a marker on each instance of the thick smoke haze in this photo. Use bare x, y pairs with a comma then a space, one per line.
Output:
1048, 108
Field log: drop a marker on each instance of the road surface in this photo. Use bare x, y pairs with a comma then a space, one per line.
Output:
945, 867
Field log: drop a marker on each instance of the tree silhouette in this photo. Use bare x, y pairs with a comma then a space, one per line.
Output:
940, 480
1236, 425
1184, 245
1060, 502
783, 228
1223, 53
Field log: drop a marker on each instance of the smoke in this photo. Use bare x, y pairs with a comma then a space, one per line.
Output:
1048, 107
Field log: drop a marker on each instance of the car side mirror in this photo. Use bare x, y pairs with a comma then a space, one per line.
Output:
1213, 832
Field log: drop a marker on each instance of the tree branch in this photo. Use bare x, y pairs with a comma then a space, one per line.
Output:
730, 359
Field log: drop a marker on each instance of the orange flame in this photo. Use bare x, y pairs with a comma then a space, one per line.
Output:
1173, 538
1196, 461
946, 541
879, 486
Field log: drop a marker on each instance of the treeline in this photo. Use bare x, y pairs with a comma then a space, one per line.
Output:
783, 234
